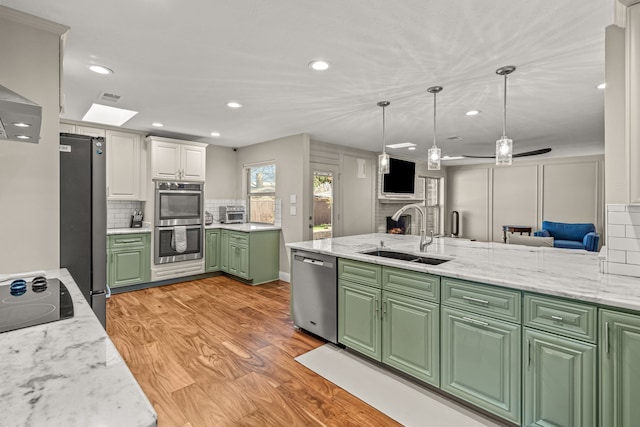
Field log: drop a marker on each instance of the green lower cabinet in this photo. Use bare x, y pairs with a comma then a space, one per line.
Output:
212, 251
239, 260
224, 250
480, 361
411, 336
129, 259
619, 369
559, 381
359, 318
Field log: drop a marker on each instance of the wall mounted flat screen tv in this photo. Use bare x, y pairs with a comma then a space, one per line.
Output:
401, 178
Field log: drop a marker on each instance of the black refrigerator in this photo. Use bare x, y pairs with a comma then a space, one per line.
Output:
83, 216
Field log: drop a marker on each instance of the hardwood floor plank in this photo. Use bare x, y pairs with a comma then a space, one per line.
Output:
217, 352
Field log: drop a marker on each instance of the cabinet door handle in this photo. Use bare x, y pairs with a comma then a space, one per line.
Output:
529, 351
384, 306
474, 321
472, 299
606, 337
376, 303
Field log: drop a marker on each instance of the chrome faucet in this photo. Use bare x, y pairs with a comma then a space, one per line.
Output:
423, 223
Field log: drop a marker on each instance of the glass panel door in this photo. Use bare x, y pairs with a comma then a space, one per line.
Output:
323, 206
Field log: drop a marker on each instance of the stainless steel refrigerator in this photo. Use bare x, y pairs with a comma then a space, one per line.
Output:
83, 216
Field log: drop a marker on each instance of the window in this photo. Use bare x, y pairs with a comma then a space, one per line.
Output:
432, 198
261, 193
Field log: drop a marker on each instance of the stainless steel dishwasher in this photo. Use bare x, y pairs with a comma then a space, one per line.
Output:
314, 290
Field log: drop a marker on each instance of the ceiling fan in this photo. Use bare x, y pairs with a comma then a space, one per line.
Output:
525, 154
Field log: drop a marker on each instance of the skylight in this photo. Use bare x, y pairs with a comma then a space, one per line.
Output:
108, 115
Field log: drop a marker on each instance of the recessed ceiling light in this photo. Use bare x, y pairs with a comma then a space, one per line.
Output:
402, 145
100, 69
319, 65
472, 112
601, 86
23, 137
215, 134
411, 148
233, 104
108, 115
157, 124
21, 125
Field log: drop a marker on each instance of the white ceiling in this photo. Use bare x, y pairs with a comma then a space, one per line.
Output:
179, 62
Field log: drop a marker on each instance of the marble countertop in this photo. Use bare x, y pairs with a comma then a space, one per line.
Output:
112, 231
566, 273
247, 226
68, 373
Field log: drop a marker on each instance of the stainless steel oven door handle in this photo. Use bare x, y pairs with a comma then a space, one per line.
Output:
178, 192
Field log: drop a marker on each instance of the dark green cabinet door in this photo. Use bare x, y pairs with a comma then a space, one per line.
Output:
129, 266
480, 360
359, 318
212, 255
224, 250
411, 336
559, 381
619, 369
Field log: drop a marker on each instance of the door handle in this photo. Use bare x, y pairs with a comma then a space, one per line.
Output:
606, 337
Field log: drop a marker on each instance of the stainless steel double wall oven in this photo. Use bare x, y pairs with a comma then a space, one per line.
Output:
178, 213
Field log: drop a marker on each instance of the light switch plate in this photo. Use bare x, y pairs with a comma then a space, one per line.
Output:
292, 198
293, 210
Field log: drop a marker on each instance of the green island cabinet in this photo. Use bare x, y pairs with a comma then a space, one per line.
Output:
390, 315
129, 259
480, 346
619, 369
559, 362
253, 256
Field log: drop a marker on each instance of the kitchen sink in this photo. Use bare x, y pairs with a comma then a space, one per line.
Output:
406, 257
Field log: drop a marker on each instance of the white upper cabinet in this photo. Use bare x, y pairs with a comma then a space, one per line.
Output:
177, 160
125, 170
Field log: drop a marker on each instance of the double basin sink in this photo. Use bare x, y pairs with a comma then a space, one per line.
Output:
405, 257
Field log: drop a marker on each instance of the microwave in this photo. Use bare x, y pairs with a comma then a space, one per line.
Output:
232, 214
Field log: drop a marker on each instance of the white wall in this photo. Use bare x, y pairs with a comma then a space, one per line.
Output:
222, 176
291, 157
29, 173
526, 193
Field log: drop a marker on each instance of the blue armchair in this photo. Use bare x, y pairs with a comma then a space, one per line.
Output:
570, 236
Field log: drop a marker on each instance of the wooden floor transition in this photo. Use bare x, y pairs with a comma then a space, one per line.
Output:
217, 352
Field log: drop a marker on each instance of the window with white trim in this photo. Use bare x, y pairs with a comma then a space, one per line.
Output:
261, 193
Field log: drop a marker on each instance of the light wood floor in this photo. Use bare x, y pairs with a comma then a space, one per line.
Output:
216, 352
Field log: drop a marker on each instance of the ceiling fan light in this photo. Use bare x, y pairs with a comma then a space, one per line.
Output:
434, 157
504, 151
383, 163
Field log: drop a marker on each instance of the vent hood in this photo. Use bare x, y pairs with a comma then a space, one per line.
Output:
20, 118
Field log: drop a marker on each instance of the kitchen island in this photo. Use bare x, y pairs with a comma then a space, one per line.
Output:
566, 273
68, 373
533, 335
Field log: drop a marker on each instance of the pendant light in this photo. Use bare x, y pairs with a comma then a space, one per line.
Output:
504, 146
433, 163
383, 159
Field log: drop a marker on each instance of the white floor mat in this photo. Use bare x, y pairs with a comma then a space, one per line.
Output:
401, 400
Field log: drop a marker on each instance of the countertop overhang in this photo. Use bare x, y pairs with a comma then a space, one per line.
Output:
568, 273
68, 373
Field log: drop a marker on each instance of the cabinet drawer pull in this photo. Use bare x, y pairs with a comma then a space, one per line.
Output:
128, 241
472, 299
558, 318
474, 321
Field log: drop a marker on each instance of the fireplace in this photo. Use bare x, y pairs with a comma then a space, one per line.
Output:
401, 226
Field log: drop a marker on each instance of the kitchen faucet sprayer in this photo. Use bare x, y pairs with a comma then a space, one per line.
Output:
423, 223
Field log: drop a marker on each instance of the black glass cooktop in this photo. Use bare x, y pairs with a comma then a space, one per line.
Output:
28, 303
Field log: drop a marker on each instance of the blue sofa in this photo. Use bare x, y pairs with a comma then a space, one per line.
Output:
570, 236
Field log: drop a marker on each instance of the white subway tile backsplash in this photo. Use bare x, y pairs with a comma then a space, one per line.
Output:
623, 244
624, 269
632, 231
616, 256
616, 230
633, 258
619, 218
616, 208
633, 208
119, 213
